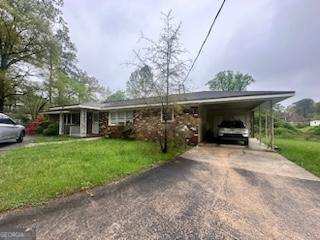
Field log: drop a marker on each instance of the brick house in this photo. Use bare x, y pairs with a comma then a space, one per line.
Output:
199, 113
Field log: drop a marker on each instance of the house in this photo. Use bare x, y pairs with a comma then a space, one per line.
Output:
315, 123
199, 112
294, 118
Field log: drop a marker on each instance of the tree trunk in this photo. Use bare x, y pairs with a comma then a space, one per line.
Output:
165, 148
50, 78
2, 93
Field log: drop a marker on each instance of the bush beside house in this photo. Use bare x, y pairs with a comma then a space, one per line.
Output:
51, 130
42, 126
31, 128
147, 125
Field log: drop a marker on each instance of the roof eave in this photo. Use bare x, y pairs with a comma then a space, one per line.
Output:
74, 107
275, 97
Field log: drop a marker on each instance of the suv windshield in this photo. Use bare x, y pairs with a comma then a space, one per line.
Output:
232, 124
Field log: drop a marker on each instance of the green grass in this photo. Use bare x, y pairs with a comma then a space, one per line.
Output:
288, 131
302, 152
30, 176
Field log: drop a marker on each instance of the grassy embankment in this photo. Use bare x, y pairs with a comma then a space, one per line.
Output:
30, 176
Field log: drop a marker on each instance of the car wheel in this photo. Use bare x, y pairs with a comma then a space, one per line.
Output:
246, 142
20, 138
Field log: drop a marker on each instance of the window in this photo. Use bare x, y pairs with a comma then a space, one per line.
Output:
6, 121
169, 115
72, 119
75, 118
120, 118
66, 119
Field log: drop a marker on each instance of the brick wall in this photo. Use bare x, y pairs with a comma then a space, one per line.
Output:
148, 126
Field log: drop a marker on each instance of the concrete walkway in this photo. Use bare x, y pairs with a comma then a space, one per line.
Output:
210, 192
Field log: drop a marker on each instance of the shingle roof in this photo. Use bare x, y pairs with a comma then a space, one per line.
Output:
193, 96
185, 97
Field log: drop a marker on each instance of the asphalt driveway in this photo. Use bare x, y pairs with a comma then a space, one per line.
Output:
13, 144
209, 192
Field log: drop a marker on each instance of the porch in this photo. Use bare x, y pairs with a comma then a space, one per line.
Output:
77, 122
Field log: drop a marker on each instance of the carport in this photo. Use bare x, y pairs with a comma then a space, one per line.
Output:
239, 108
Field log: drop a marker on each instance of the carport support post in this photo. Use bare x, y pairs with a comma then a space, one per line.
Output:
252, 124
272, 125
266, 126
260, 123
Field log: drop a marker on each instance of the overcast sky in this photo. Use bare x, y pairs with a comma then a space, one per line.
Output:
277, 42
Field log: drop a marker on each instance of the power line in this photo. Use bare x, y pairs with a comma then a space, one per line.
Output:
205, 40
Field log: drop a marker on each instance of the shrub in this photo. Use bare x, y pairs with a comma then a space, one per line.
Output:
40, 129
121, 131
316, 131
301, 125
42, 126
45, 124
288, 126
127, 131
185, 135
31, 128
52, 130
285, 132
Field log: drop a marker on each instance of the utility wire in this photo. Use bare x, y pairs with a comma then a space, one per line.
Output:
205, 40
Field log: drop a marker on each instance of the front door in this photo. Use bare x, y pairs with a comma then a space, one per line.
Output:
89, 122
95, 123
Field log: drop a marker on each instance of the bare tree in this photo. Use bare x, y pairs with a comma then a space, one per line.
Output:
165, 60
140, 83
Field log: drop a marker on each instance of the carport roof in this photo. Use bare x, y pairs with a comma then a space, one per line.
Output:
185, 98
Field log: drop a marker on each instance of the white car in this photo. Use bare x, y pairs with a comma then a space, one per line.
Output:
9, 130
234, 130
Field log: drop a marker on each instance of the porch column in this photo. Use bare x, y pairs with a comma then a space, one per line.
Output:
83, 123
260, 132
61, 124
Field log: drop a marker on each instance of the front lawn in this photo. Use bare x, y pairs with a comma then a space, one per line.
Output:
33, 175
302, 152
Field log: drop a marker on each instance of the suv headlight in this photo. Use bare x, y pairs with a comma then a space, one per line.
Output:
245, 133
220, 134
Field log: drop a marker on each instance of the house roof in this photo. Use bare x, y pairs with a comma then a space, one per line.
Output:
294, 117
185, 98
192, 97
